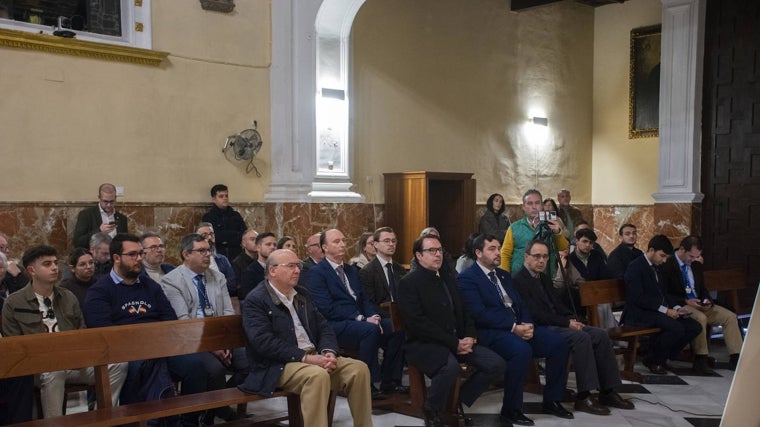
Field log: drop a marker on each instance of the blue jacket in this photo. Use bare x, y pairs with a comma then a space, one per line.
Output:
225, 267
270, 338
333, 299
482, 301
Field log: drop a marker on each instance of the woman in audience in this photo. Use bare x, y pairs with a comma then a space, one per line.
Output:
287, 242
366, 249
82, 273
550, 205
494, 221
468, 254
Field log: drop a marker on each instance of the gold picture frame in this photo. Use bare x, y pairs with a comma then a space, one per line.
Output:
644, 83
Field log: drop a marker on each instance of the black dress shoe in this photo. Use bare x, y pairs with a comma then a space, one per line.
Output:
432, 418
614, 400
701, 366
656, 368
589, 406
556, 409
377, 394
394, 388
517, 418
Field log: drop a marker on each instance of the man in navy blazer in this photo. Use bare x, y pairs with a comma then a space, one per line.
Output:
505, 326
646, 304
338, 294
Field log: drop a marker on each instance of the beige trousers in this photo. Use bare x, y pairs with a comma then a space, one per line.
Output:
313, 384
716, 315
52, 385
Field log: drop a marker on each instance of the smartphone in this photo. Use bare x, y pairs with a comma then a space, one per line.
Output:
552, 216
542, 215
111, 222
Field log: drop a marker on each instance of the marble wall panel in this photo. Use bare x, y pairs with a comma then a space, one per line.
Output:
27, 224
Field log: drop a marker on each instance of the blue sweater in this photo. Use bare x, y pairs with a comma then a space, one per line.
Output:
109, 303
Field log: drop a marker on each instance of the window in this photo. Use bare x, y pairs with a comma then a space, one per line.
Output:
119, 22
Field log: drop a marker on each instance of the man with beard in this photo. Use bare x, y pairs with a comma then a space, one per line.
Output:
125, 297
626, 251
154, 253
266, 243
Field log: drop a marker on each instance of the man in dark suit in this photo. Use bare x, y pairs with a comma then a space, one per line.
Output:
440, 334
380, 280
593, 355
626, 251
102, 218
646, 304
315, 255
266, 243
338, 294
685, 287
505, 326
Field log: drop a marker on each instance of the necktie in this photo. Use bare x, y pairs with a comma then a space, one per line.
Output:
689, 289
342, 276
654, 270
204, 304
504, 297
391, 281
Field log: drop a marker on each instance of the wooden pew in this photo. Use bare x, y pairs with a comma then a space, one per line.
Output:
597, 292
32, 354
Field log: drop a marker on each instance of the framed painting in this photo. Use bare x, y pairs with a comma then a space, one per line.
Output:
644, 83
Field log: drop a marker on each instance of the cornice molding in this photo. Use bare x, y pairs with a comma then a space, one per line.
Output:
87, 49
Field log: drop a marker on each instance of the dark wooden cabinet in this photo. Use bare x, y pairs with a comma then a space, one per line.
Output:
415, 200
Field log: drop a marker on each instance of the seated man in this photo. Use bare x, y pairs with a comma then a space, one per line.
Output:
44, 307
583, 264
219, 262
196, 291
685, 286
126, 297
646, 304
339, 295
625, 252
266, 243
593, 355
246, 257
505, 326
440, 334
291, 346
154, 253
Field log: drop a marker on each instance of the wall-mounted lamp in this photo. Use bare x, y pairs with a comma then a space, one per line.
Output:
543, 121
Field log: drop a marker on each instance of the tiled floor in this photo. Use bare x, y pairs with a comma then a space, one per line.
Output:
672, 400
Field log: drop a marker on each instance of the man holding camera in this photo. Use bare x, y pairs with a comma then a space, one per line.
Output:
525, 229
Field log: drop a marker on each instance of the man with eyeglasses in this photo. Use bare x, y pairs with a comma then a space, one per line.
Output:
292, 346
593, 355
441, 334
101, 218
380, 280
154, 253
339, 295
219, 262
126, 297
626, 251
196, 291
314, 255
42, 307
266, 243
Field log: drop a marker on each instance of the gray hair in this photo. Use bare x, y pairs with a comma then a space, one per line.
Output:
98, 239
204, 224
430, 230
148, 234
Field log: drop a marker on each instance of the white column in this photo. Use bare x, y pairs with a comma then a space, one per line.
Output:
683, 23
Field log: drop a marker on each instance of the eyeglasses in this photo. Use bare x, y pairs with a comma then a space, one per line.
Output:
433, 251
207, 235
540, 256
49, 304
133, 254
202, 251
290, 265
389, 241
155, 248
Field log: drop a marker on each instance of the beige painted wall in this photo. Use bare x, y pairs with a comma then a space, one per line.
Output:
67, 124
446, 85
624, 170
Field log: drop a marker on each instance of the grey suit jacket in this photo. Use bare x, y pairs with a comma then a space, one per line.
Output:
180, 289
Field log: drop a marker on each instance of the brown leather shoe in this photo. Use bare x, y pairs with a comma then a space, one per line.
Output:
591, 407
614, 400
